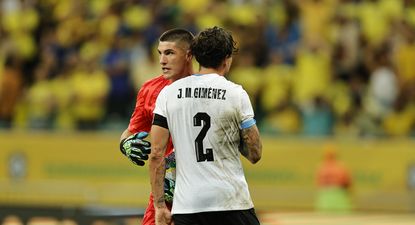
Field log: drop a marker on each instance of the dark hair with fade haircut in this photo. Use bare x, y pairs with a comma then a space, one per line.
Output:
177, 35
213, 45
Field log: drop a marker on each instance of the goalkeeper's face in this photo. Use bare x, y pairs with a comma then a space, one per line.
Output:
175, 60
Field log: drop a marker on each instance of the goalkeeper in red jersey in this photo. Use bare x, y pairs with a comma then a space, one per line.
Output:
176, 63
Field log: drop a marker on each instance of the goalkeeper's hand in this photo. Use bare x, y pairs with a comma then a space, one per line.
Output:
170, 177
169, 185
136, 148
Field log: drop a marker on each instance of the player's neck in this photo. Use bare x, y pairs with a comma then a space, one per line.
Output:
204, 70
173, 79
188, 73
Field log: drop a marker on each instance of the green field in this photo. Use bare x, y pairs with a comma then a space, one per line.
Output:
266, 218
310, 218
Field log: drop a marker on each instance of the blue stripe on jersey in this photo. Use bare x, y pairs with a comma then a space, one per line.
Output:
248, 123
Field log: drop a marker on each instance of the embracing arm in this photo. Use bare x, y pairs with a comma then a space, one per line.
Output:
251, 146
159, 139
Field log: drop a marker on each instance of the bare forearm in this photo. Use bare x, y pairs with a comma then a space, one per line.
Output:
157, 173
251, 146
125, 134
159, 138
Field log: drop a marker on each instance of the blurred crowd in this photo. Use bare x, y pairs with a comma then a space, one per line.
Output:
311, 67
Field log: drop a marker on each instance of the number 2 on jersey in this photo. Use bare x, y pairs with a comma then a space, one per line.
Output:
200, 153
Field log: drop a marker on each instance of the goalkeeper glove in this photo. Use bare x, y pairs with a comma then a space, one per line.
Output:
169, 189
136, 148
170, 178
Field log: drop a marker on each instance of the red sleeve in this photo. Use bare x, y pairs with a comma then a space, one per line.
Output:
139, 120
142, 116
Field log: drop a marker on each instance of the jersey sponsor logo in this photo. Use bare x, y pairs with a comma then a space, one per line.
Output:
202, 92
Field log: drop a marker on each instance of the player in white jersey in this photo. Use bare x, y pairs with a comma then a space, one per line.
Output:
211, 121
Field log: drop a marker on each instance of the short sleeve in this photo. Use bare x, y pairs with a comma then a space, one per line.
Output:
140, 120
246, 111
161, 103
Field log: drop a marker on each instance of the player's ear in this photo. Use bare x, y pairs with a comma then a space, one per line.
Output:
189, 56
227, 62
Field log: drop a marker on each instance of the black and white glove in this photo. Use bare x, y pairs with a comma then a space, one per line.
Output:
170, 177
136, 148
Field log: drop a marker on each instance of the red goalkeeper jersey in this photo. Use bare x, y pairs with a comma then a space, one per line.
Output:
142, 117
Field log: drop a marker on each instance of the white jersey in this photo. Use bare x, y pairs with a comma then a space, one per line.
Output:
205, 114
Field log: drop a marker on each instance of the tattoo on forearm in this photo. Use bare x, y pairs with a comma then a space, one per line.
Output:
160, 200
251, 144
157, 164
242, 146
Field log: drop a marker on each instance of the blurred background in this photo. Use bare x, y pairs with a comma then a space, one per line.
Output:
332, 83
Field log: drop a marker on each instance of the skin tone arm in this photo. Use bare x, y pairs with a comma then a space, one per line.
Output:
251, 144
125, 134
159, 140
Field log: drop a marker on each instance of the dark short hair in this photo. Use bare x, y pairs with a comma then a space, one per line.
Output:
211, 46
177, 35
